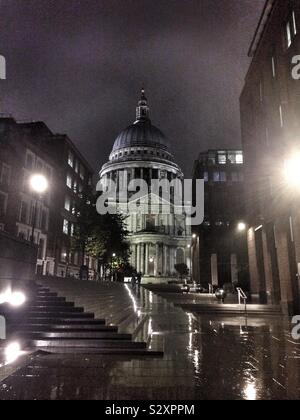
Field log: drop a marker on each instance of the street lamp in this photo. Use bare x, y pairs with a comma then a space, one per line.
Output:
38, 185
241, 226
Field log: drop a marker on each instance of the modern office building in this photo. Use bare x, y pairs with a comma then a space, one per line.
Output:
270, 115
219, 245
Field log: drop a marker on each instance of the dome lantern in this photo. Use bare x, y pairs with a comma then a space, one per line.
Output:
142, 110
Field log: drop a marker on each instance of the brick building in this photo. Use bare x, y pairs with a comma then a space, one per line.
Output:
31, 148
219, 244
270, 115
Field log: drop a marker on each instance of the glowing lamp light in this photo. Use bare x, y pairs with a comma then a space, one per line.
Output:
14, 299
39, 184
241, 227
12, 352
194, 236
292, 170
17, 299
5, 296
250, 392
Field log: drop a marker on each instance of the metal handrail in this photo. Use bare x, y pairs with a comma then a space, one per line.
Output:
242, 296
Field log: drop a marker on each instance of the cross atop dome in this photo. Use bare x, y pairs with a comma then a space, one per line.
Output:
142, 110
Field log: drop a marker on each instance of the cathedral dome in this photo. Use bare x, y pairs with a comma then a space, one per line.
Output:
141, 134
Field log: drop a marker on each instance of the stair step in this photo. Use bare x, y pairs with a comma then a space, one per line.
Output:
49, 300
103, 351
83, 343
54, 315
43, 289
94, 335
61, 321
61, 308
46, 294
64, 328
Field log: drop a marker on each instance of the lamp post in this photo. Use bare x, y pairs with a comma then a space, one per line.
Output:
38, 185
190, 249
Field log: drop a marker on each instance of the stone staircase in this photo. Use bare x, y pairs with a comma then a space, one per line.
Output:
50, 323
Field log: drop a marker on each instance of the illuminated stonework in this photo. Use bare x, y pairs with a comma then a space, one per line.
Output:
158, 241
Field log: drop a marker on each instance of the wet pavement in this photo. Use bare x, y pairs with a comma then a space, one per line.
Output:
206, 358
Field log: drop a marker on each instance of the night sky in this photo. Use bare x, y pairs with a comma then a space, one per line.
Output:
79, 65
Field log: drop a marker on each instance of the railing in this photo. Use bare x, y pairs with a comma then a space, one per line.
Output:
242, 297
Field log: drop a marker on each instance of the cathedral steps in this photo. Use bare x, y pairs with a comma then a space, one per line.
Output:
52, 324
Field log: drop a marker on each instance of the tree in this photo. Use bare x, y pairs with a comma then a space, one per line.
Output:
103, 237
182, 270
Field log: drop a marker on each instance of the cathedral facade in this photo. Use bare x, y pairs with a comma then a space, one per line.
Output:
158, 239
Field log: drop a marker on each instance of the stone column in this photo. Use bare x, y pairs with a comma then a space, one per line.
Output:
142, 258
147, 259
214, 270
156, 260
138, 258
165, 267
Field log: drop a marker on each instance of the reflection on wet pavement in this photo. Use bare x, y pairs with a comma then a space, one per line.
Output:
205, 358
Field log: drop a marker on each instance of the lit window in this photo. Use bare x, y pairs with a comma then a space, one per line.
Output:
232, 157
239, 158
205, 177
216, 176
71, 159
72, 229
75, 186
67, 204
222, 159
82, 172
66, 227
69, 181
77, 167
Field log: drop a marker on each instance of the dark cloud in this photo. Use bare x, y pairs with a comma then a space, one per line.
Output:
79, 64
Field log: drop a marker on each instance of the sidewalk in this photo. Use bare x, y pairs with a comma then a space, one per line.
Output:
205, 358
